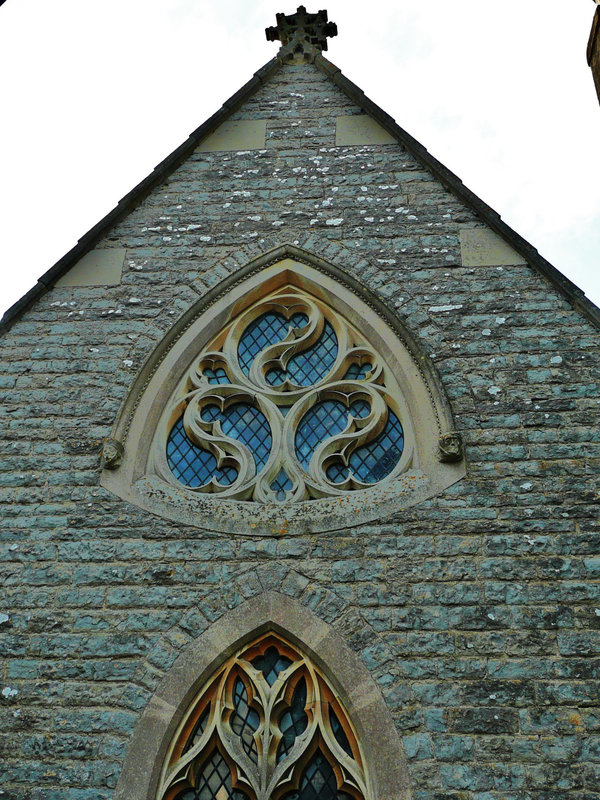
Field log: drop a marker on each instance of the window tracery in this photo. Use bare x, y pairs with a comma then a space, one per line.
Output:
285, 400
289, 402
267, 726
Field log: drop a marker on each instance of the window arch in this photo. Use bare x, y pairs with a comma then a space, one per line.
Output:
286, 401
182, 686
266, 726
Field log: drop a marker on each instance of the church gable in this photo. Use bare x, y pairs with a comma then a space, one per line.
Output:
449, 628
374, 210
289, 110
291, 182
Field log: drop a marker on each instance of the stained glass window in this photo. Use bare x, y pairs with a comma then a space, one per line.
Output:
194, 466
270, 727
293, 721
318, 782
289, 403
213, 782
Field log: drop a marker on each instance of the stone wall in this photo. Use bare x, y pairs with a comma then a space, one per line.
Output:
477, 612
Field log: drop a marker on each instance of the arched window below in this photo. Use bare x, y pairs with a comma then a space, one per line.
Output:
266, 726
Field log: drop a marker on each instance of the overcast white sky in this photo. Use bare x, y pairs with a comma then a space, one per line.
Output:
94, 95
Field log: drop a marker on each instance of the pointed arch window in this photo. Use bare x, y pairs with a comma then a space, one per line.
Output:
289, 399
267, 726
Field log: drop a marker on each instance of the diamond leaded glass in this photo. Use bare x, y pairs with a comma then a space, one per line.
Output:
216, 375
357, 372
318, 782
281, 486
268, 329
194, 466
323, 421
213, 782
289, 403
244, 720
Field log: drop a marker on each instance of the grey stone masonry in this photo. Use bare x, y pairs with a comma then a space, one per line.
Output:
477, 612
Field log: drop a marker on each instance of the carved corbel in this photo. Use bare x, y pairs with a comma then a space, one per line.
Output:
450, 447
112, 454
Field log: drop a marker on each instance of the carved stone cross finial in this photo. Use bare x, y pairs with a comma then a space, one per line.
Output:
302, 35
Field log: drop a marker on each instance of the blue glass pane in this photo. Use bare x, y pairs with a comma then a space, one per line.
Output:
324, 420
293, 721
357, 372
192, 465
370, 463
211, 413
195, 466
337, 473
281, 485
376, 460
305, 368
217, 375
244, 720
314, 364
338, 732
267, 329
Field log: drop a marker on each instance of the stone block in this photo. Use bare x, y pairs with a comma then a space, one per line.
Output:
236, 135
488, 721
481, 247
100, 267
360, 129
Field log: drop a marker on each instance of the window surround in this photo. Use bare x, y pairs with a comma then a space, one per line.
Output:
271, 611
138, 480
261, 719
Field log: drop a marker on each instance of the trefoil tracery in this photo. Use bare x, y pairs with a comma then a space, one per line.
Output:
290, 402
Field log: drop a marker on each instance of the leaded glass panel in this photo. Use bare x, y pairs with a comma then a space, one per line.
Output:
244, 720
271, 664
195, 466
270, 727
290, 402
293, 721
213, 782
199, 728
318, 782
338, 732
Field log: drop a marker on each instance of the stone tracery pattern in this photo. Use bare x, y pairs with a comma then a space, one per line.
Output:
266, 727
289, 402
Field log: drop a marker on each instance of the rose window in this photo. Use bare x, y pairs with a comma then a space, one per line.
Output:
289, 398
289, 402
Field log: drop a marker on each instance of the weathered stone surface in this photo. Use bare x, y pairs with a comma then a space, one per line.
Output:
476, 612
